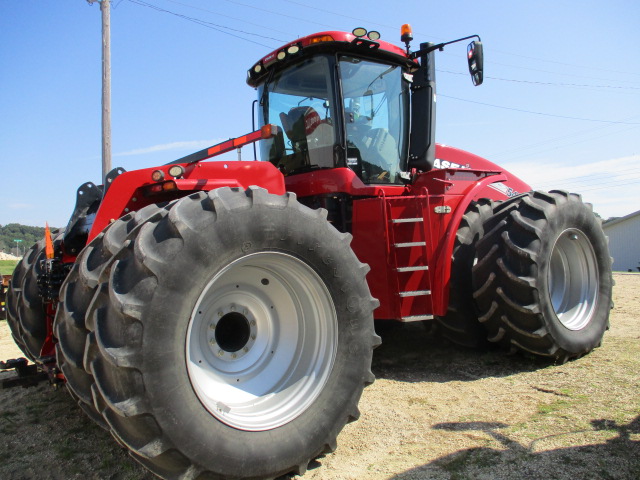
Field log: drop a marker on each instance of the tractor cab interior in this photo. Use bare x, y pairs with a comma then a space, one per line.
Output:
359, 120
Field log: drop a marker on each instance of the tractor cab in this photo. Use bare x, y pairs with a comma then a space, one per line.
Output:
356, 118
345, 100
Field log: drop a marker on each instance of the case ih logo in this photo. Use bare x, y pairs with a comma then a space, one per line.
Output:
447, 164
311, 122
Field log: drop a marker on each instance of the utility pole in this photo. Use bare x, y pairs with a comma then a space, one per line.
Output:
106, 86
106, 89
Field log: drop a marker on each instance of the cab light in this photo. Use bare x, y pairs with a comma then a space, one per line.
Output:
268, 131
293, 49
374, 35
320, 39
281, 55
359, 32
176, 171
157, 175
406, 33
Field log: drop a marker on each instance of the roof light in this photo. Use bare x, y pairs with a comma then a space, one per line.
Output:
281, 55
157, 175
321, 38
293, 49
359, 32
373, 35
406, 33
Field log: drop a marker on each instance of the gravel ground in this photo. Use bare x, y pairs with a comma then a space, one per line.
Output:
434, 412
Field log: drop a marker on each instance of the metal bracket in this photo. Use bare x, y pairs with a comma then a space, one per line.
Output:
442, 209
26, 375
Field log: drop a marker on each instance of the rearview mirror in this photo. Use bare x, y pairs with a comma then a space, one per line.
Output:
475, 59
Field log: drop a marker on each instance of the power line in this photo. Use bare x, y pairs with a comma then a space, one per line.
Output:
591, 67
213, 26
560, 73
370, 22
544, 144
600, 178
609, 186
254, 7
555, 84
229, 16
538, 113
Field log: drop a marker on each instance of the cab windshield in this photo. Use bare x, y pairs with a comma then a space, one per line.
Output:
373, 107
376, 112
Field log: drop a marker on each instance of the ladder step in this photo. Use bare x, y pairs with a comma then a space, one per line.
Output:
407, 220
417, 318
410, 244
416, 293
412, 269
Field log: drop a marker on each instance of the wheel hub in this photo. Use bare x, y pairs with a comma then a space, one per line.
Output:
232, 334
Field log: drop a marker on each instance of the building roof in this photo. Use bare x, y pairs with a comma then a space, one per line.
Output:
621, 219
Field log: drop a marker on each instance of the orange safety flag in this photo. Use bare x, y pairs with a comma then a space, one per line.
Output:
48, 243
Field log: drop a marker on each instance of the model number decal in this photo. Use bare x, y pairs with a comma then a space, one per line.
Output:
502, 188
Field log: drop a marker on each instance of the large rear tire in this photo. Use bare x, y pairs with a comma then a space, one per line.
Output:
543, 279
235, 337
460, 324
76, 293
26, 313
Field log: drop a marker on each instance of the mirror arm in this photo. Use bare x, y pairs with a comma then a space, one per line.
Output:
439, 46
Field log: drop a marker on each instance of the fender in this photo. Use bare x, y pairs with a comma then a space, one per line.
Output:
131, 191
499, 187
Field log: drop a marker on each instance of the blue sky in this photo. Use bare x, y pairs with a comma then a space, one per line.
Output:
560, 105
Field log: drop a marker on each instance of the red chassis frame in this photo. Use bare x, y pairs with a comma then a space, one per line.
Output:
410, 283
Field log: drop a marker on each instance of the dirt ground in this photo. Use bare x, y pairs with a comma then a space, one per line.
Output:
434, 412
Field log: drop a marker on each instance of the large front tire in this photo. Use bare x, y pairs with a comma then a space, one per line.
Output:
235, 337
543, 279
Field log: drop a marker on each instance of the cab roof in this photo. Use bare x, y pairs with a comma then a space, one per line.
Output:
329, 41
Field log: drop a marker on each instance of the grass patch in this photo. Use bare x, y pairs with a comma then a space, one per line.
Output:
7, 266
547, 408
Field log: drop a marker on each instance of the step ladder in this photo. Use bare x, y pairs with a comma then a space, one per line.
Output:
409, 242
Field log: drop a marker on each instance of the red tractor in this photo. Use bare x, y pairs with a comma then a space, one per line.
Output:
218, 317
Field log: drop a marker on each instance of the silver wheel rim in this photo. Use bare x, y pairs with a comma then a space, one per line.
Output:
261, 341
573, 279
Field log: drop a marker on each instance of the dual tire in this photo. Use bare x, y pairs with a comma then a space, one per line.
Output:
228, 334
542, 282
532, 274
26, 312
